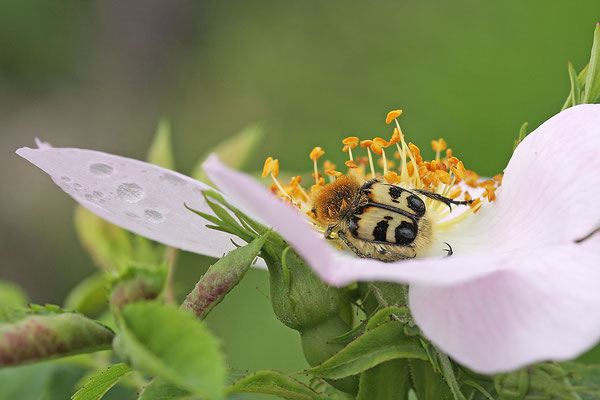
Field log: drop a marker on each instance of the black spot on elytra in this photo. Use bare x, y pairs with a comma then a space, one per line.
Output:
415, 203
395, 192
405, 233
388, 217
380, 231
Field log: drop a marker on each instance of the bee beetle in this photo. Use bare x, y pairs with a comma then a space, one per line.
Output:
377, 219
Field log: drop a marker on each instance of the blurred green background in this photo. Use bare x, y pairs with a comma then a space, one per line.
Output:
100, 74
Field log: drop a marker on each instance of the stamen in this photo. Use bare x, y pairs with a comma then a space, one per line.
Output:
350, 143
378, 147
367, 144
314, 156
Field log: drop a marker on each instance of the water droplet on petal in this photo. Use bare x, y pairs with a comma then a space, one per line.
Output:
89, 197
66, 179
98, 194
130, 192
154, 216
101, 170
66, 188
173, 179
77, 187
132, 215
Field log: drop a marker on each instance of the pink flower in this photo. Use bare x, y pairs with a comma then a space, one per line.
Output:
518, 289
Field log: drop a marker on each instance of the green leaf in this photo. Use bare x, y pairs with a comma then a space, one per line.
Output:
392, 313
384, 343
428, 384
544, 380
89, 296
171, 343
234, 151
11, 295
389, 380
575, 88
522, 134
161, 150
160, 389
101, 383
277, 384
584, 379
46, 332
591, 91
221, 277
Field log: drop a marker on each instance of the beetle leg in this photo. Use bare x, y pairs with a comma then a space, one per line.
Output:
449, 249
329, 231
446, 200
352, 247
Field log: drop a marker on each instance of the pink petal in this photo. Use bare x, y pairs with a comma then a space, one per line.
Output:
138, 196
550, 190
544, 308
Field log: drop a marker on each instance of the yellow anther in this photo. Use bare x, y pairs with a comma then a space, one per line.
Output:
422, 170
351, 164
410, 168
328, 165
332, 172
476, 205
295, 181
275, 168
439, 145
366, 143
498, 178
346, 148
416, 153
453, 161
448, 153
391, 177
396, 138
316, 153
468, 196
381, 142
429, 179
489, 183
376, 148
471, 178
455, 193
491, 192
392, 115
267, 167
459, 170
443, 176
317, 176
351, 141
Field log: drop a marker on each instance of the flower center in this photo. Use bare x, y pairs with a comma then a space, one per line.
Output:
332, 206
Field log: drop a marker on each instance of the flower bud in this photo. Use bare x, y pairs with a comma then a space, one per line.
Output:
47, 332
137, 284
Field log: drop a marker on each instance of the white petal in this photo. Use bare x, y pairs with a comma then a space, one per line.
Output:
138, 196
544, 308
